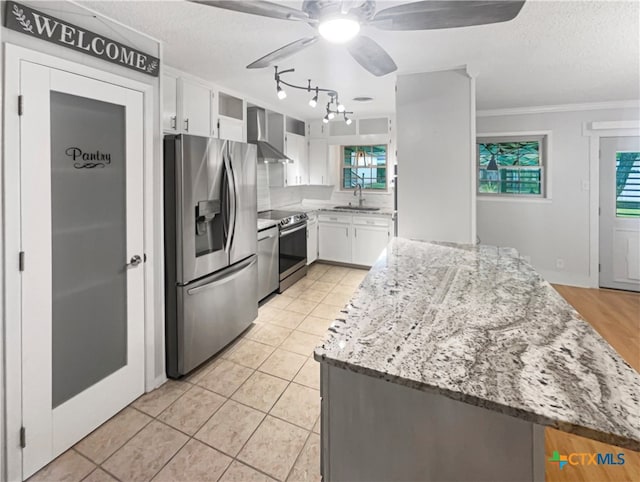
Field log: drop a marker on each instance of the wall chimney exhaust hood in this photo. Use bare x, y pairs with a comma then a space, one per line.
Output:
257, 130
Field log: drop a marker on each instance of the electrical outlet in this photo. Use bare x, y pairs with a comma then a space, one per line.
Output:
560, 263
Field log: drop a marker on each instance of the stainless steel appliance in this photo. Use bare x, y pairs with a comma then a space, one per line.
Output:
292, 263
268, 252
258, 130
211, 277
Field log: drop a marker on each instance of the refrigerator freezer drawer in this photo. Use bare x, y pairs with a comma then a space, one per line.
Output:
215, 310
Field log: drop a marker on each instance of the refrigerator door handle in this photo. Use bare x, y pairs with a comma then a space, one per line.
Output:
224, 278
232, 198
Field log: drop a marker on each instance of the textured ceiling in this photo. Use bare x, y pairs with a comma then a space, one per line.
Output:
554, 52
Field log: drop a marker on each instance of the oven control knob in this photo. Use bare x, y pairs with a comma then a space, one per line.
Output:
286, 221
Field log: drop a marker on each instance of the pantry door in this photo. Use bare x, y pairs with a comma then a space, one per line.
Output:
81, 181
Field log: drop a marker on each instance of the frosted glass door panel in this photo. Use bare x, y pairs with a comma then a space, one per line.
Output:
88, 215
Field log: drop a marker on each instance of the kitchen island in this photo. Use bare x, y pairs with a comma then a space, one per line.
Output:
449, 362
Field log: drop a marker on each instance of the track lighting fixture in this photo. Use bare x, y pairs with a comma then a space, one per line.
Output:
339, 108
347, 120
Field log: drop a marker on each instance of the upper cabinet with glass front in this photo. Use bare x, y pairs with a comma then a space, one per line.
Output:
231, 117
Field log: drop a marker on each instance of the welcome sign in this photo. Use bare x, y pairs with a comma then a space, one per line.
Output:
32, 22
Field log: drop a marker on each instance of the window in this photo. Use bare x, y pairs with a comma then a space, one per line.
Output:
512, 166
364, 165
628, 184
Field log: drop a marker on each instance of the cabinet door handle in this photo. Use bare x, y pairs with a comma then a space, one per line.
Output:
174, 122
186, 125
355, 232
346, 231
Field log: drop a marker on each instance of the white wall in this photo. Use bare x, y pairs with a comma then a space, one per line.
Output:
436, 140
558, 228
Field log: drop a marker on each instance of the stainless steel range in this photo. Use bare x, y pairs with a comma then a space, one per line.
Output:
293, 245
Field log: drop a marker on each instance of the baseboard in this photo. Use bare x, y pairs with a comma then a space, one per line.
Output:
159, 380
563, 278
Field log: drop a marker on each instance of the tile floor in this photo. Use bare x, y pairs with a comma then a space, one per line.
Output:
250, 414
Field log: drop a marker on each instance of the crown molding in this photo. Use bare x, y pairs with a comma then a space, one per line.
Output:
542, 109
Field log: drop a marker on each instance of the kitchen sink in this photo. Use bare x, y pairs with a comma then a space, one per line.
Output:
356, 208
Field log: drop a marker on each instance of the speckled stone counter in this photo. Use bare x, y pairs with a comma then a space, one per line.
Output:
479, 325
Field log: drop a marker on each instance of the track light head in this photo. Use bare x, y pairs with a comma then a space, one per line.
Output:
281, 93
347, 120
314, 102
331, 115
325, 119
341, 108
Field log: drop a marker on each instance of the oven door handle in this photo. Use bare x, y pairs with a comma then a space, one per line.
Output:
293, 230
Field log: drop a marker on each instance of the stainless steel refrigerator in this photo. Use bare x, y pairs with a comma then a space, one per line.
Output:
211, 276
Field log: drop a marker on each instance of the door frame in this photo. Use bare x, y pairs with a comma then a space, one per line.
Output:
11, 241
595, 131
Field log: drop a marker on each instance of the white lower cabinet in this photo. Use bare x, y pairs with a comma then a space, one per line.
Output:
334, 238
368, 243
353, 239
312, 240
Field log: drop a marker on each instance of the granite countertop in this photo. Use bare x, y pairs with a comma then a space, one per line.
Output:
266, 223
478, 324
308, 206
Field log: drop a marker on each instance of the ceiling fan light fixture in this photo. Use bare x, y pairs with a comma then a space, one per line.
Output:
340, 29
330, 115
341, 108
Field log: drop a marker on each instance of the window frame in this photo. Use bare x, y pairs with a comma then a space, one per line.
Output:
543, 138
344, 166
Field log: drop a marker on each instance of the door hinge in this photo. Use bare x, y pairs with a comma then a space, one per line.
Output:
23, 437
20, 105
599, 267
599, 210
21, 261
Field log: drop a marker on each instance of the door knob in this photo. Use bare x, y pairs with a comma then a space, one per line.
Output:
135, 260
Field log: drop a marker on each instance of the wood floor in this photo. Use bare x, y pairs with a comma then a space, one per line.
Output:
616, 316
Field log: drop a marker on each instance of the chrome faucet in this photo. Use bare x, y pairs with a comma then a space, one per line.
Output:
355, 193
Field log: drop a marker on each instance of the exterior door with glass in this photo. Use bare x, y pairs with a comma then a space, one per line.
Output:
82, 285
620, 213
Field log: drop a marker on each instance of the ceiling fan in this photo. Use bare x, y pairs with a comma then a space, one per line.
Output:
339, 21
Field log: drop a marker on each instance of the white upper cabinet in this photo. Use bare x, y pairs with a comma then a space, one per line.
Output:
169, 103
318, 129
196, 108
318, 161
296, 149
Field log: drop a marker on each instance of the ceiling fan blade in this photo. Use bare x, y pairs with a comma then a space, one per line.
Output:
434, 14
371, 56
257, 7
283, 52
